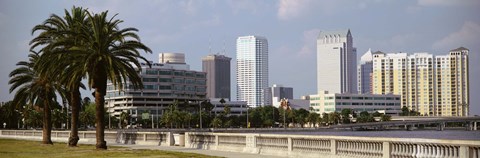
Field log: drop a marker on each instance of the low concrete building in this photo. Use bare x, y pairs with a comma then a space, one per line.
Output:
166, 82
236, 107
295, 103
325, 102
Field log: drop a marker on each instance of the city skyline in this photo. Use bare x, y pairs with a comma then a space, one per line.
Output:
291, 26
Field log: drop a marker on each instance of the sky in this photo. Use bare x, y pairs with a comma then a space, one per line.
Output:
201, 27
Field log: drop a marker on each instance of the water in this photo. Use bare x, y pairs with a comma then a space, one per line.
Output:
429, 134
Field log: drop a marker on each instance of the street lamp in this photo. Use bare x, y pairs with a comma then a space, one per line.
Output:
247, 116
200, 105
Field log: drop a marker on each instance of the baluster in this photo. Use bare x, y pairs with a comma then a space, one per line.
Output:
394, 149
419, 151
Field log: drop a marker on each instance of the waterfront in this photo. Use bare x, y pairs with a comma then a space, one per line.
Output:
457, 134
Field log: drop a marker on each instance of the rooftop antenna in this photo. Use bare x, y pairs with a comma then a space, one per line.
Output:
224, 52
209, 45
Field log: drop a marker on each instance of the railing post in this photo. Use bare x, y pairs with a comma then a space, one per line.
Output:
170, 140
290, 144
387, 150
333, 147
144, 137
474, 125
187, 140
464, 151
216, 140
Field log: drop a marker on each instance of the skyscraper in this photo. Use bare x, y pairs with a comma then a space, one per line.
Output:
336, 62
217, 68
431, 85
365, 73
252, 69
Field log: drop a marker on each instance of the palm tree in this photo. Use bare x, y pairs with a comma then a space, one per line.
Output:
35, 89
111, 54
99, 50
60, 37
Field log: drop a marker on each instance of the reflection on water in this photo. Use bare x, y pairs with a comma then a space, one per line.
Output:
431, 134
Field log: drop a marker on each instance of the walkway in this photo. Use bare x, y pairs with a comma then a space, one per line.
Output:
197, 151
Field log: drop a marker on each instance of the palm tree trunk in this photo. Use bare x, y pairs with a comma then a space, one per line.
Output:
100, 110
75, 104
47, 124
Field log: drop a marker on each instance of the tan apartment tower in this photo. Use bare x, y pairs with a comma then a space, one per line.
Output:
431, 85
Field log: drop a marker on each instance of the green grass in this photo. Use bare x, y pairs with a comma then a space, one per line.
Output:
34, 149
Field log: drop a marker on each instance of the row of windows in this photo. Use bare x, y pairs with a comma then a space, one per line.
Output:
175, 80
176, 73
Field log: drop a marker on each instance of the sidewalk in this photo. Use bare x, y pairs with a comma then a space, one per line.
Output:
198, 151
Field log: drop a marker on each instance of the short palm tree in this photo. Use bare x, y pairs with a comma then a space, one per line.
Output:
59, 36
34, 89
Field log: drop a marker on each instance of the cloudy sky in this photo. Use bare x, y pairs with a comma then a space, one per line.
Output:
201, 27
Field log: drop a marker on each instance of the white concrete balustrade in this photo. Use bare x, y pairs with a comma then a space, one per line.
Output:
112, 137
333, 146
281, 144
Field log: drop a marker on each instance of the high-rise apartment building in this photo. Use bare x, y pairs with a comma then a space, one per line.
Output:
217, 68
336, 62
364, 75
252, 69
431, 85
276, 92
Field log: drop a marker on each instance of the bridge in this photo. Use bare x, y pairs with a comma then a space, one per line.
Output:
409, 123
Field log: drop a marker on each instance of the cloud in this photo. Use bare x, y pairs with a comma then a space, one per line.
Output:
468, 35
448, 2
213, 21
288, 9
309, 42
244, 5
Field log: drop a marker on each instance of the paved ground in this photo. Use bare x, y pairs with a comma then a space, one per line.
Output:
198, 151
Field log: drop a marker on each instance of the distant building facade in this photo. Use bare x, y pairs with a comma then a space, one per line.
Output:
236, 107
365, 69
252, 69
326, 102
336, 62
164, 83
276, 92
217, 68
431, 85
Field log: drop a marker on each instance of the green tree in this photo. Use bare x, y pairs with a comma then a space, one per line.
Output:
87, 116
216, 122
107, 53
365, 117
376, 114
345, 115
58, 117
59, 35
34, 89
312, 118
301, 116
320, 120
326, 118
334, 117
405, 111
385, 118
124, 119
9, 115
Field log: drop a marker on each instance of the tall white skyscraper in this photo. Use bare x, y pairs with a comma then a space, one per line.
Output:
252, 69
336, 62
